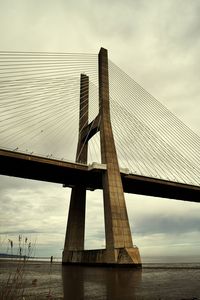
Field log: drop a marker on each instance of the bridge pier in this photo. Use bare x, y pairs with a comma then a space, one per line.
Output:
121, 257
74, 239
119, 246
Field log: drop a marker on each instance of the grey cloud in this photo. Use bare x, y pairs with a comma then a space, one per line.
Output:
148, 215
166, 224
35, 207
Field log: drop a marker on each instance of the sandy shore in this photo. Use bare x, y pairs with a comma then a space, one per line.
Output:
40, 280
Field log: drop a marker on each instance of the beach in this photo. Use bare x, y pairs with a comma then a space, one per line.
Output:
45, 280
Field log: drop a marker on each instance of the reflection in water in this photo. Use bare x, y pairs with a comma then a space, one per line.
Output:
81, 282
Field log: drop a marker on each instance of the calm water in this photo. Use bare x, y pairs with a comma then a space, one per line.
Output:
42, 280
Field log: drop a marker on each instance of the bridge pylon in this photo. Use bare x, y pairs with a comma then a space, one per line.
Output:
119, 246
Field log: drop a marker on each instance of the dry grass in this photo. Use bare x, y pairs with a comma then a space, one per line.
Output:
13, 287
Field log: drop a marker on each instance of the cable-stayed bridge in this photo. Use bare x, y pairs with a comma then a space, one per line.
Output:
42, 123
39, 105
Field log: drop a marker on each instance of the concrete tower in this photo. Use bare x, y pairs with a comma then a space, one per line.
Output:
119, 246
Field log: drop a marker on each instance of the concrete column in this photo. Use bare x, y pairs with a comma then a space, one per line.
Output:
117, 229
75, 233
119, 247
82, 148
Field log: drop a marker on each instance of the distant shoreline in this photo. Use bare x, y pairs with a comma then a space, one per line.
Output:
28, 261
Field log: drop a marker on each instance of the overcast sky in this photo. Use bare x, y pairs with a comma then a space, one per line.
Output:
158, 44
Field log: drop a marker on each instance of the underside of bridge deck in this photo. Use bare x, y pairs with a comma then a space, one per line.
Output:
70, 174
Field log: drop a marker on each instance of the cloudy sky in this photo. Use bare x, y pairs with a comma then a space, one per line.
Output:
157, 43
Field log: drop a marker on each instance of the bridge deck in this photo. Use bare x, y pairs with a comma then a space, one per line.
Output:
70, 174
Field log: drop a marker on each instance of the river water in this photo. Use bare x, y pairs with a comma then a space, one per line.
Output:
43, 280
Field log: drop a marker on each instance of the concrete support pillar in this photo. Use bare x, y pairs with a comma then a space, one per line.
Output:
119, 247
117, 229
75, 233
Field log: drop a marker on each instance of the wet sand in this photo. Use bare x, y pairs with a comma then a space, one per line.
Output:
43, 280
